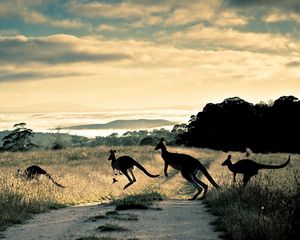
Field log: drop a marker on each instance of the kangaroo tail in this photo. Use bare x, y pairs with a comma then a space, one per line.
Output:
135, 163
207, 175
56, 183
264, 166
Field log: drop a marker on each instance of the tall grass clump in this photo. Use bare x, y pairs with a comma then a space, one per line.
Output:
18, 202
142, 200
267, 208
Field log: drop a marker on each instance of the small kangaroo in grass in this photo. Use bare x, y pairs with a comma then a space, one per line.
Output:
188, 165
33, 172
126, 163
249, 168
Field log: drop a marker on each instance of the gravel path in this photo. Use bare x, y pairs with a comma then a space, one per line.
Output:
177, 219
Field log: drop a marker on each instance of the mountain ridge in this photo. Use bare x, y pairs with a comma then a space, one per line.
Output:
125, 124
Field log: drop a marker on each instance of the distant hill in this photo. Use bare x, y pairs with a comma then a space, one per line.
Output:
126, 124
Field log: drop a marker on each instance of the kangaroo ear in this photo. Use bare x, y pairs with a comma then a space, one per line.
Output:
115, 151
229, 156
162, 139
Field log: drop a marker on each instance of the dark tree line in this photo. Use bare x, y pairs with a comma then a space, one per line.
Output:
236, 124
23, 139
141, 137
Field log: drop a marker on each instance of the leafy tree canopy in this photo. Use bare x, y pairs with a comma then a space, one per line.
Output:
236, 124
19, 139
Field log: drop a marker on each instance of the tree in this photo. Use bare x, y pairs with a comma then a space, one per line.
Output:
19, 139
235, 125
78, 141
152, 141
58, 142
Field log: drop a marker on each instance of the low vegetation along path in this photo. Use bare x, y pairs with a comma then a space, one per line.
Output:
170, 219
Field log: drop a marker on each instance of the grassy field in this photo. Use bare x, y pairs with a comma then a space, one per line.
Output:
269, 206
267, 209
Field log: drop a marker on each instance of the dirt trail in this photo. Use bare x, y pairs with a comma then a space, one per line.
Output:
177, 219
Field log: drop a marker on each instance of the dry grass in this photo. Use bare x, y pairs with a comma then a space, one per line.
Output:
266, 209
87, 175
263, 210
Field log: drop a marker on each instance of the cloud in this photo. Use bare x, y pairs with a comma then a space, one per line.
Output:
278, 15
287, 4
12, 8
271, 11
210, 11
150, 68
37, 72
61, 49
29, 13
38, 18
8, 77
165, 13
106, 27
31, 75
192, 48
213, 37
136, 14
147, 21
122, 10
293, 64
187, 12
89, 55
229, 18
9, 32
54, 49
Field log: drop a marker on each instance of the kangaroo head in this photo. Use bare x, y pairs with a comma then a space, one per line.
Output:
161, 144
112, 155
227, 161
19, 172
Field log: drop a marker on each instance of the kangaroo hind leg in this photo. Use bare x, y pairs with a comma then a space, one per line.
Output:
203, 185
191, 179
129, 178
246, 179
133, 177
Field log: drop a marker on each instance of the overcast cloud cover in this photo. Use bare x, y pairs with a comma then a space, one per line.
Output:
112, 54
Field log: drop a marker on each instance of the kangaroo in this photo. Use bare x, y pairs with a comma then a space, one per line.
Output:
188, 165
33, 172
126, 163
249, 168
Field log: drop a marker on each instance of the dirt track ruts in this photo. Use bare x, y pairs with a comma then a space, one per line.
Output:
177, 219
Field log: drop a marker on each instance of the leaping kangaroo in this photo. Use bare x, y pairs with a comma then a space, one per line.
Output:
188, 165
34, 171
249, 168
125, 163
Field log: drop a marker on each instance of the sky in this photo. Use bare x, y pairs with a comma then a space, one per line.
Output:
90, 55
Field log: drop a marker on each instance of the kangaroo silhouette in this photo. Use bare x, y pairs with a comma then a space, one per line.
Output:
249, 167
34, 171
126, 163
188, 165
